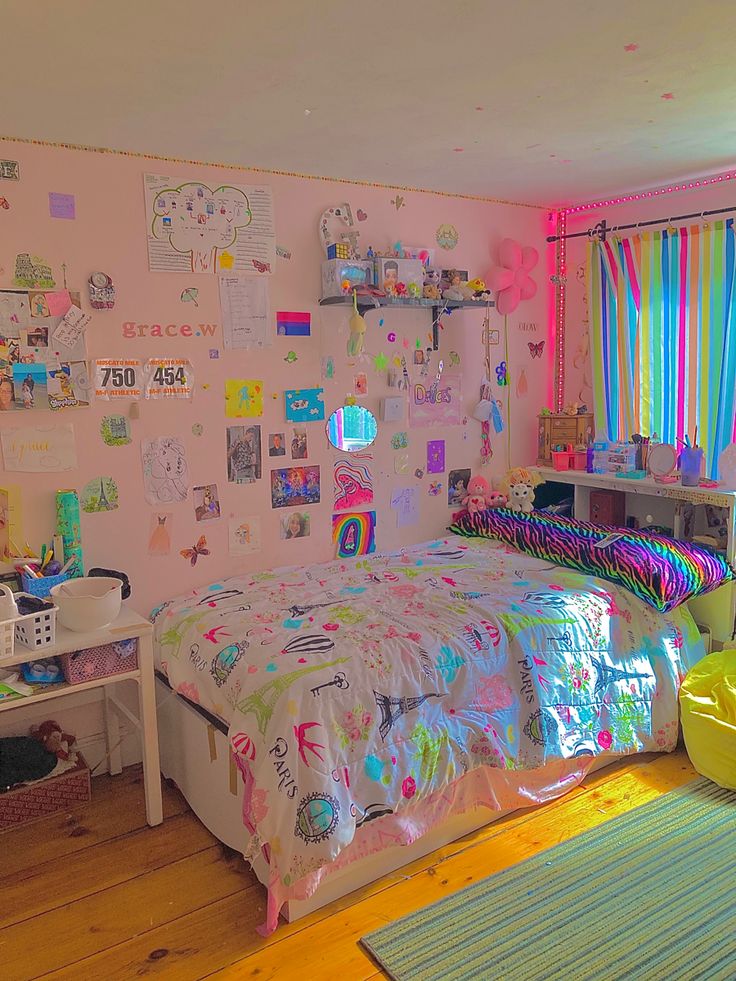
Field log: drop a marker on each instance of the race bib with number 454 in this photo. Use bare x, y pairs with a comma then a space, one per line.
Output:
168, 378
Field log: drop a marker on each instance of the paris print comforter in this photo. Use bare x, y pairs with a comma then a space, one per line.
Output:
381, 693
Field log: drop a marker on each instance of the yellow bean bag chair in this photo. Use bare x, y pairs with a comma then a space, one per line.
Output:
708, 706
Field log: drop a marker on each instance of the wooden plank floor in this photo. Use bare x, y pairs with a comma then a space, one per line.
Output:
96, 894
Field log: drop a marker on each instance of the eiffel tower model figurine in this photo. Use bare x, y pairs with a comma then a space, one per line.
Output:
393, 708
607, 675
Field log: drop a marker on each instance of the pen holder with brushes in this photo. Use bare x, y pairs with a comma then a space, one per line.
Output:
42, 587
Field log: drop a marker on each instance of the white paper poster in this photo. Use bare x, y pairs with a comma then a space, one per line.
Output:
165, 470
405, 503
244, 535
168, 378
245, 312
195, 228
39, 449
72, 327
118, 378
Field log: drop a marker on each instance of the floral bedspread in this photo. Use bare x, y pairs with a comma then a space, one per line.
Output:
362, 689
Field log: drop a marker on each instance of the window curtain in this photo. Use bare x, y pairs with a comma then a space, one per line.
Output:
663, 336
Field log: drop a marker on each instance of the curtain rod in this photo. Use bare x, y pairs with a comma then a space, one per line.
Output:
601, 230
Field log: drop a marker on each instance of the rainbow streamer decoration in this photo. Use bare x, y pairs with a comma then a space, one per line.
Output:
663, 343
354, 534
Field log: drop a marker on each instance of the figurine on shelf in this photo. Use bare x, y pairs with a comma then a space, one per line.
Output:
400, 290
571, 409
414, 291
457, 290
431, 290
478, 286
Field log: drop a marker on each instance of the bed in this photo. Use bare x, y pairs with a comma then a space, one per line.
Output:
402, 699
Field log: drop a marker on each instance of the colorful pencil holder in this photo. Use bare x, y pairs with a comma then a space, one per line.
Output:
691, 465
42, 587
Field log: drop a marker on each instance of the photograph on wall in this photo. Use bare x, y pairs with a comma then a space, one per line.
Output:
30, 386
206, 502
457, 487
243, 397
244, 535
159, 534
295, 486
7, 389
165, 470
354, 534
353, 485
276, 444
295, 525
299, 448
243, 454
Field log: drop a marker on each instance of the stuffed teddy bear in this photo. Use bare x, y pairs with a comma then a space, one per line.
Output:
520, 484
431, 290
480, 496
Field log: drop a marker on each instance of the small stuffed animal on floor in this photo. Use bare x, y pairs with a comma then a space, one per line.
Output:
51, 737
520, 484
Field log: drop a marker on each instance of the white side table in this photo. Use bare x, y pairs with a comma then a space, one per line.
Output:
128, 626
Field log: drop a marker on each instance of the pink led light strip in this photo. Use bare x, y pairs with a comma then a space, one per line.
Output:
644, 195
560, 307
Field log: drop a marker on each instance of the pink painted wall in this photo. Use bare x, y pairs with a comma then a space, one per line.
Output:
577, 350
109, 233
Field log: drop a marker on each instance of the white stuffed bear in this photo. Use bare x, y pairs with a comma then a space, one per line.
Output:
519, 485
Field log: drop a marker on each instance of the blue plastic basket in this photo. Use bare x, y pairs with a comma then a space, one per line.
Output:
42, 587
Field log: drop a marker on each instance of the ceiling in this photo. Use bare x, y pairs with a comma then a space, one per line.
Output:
528, 100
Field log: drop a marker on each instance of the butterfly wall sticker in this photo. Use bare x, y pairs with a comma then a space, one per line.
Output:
262, 267
195, 551
536, 350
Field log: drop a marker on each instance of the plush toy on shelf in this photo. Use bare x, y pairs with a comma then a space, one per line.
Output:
431, 290
457, 289
480, 291
479, 496
358, 328
520, 483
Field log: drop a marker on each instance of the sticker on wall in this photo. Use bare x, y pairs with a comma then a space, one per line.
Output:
168, 378
536, 350
214, 354
436, 456
405, 503
336, 229
276, 444
304, 404
198, 549
435, 488
354, 534
243, 454
101, 291
165, 470
291, 357
398, 202
447, 237
115, 430
9, 170
293, 324
328, 368
4, 204
399, 441
522, 386
118, 378
243, 397
437, 404
502, 376
353, 485
360, 384
197, 429
454, 360
30, 389
295, 486
100, 494
244, 535
68, 386
282, 252
401, 463
299, 445
159, 537
37, 449
206, 502
189, 295
457, 487
295, 525
419, 473
33, 271
62, 205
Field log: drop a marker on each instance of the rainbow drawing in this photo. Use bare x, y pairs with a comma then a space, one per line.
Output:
354, 533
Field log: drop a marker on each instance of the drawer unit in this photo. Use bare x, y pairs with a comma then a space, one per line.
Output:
561, 429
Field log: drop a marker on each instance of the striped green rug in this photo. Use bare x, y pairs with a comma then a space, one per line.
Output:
649, 895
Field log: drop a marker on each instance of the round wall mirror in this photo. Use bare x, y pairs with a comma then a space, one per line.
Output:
351, 428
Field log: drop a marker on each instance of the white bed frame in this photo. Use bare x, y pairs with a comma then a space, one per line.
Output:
196, 756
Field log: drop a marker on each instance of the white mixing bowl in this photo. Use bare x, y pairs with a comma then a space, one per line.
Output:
88, 603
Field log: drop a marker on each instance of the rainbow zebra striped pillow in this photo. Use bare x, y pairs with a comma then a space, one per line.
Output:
661, 571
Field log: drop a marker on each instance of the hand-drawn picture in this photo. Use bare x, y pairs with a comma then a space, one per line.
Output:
353, 485
159, 538
304, 404
276, 444
243, 454
243, 397
33, 271
295, 525
206, 502
294, 487
438, 403
299, 450
201, 229
354, 534
457, 487
244, 535
165, 470
100, 494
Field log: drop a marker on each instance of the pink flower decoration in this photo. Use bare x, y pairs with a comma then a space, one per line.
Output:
408, 787
510, 280
605, 739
